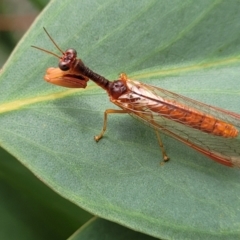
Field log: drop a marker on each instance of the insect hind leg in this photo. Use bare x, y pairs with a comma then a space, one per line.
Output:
165, 156
111, 111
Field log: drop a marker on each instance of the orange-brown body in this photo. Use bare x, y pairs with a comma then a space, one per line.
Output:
139, 99
195, 119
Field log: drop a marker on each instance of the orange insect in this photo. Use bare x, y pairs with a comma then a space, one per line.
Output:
207, 129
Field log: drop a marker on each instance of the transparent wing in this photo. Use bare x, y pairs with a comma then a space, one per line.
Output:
221, 149
222, 114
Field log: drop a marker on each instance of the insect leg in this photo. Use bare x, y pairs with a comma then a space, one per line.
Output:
165, 157
108, 111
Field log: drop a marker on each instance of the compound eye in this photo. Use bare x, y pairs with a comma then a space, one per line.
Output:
64, 66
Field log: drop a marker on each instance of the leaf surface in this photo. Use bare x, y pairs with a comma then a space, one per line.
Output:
188, 47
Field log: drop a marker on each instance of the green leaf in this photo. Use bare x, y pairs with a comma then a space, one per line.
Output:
32, 209
190, 47
98, 229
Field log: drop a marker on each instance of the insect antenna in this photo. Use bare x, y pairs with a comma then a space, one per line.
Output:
44, 50
55, 44
53, 41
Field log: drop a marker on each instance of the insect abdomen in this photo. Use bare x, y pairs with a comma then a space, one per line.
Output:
195, 119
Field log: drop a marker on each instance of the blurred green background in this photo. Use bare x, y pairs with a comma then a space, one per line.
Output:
16, 16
